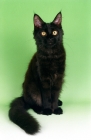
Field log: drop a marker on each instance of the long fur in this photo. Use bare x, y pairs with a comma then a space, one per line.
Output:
19, 115
44, 77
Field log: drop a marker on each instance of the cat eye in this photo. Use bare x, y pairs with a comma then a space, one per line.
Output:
43, 33
54, 32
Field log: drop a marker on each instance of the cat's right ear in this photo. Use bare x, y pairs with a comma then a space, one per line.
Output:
37, 21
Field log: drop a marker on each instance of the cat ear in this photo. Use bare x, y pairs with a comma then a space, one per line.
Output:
58, 19
37, 21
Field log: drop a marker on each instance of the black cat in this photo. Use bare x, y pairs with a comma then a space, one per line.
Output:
44, 77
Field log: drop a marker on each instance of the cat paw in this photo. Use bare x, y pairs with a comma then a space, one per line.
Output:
60, 103
58, 111
47, 111
38, 110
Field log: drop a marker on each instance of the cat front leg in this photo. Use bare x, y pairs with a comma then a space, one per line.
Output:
46, 97
56, 110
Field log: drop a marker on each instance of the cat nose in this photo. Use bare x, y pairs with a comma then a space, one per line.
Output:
50, 38
50, 41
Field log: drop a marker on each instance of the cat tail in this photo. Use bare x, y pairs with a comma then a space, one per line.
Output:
19, 115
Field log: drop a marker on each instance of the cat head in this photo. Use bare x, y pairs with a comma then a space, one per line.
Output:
48, 35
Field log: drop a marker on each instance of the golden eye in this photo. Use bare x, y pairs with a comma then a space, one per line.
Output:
54, 32
43, 33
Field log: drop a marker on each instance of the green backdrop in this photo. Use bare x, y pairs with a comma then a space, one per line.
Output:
17, 45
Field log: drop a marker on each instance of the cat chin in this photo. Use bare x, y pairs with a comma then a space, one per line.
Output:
50, 46
47, 46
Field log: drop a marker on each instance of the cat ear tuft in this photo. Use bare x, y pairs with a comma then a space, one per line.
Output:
37, 21
58, 19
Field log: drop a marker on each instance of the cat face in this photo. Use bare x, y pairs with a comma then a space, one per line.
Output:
48, 35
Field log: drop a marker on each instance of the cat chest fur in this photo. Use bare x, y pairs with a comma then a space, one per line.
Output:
50, 69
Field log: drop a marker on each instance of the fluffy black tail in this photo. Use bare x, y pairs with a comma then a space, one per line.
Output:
19, 115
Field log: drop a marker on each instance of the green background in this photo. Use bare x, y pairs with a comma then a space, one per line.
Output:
17, 47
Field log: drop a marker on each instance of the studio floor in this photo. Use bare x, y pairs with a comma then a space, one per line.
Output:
74, 124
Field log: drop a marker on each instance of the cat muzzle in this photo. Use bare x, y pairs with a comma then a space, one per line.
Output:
50, 41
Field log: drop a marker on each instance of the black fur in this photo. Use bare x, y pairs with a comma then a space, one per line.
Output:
44, 77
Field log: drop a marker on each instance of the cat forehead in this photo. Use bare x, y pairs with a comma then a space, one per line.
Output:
49, 26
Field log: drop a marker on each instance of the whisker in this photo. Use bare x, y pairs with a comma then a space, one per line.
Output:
68, 45
69, 39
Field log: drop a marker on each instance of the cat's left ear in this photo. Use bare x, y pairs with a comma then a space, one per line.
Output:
58, 19
37, 21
